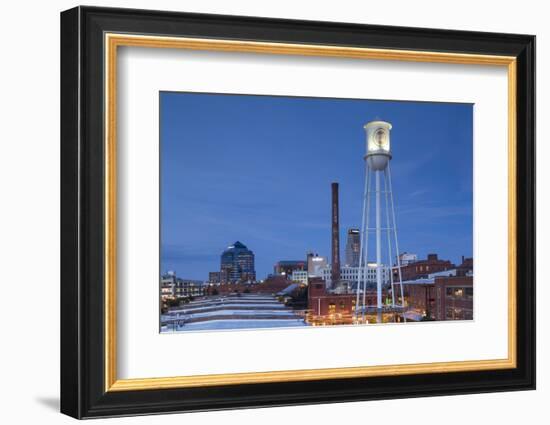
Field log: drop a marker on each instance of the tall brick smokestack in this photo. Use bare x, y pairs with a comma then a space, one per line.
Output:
335, 265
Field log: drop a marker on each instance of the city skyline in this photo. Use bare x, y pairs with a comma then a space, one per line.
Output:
261, 175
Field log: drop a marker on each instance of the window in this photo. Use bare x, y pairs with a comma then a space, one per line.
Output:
455, 292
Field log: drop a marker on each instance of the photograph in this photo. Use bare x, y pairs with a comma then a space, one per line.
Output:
289, 210
286, 211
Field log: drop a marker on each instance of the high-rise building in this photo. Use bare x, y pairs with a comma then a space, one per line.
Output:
353, 248
237, 264
315, 264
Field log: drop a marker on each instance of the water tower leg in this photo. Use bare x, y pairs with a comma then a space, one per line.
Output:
361, 283
388, 172
378, 246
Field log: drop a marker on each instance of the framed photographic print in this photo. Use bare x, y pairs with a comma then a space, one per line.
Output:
261, 212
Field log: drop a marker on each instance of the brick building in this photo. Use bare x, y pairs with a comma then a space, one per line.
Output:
422, 268
286, 268
420, 296
454, 298
441, 298
331, 308
466, 267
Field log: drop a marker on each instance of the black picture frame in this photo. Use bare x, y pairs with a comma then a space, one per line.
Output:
83, 392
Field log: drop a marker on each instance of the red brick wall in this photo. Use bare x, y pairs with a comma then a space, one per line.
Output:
320, 301
423, 268
420, 297
454, 298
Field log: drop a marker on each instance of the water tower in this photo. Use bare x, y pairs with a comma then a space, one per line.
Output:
377, 164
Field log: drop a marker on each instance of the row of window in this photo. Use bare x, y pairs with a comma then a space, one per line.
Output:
422, 268
459, 292
342, 307
453, 313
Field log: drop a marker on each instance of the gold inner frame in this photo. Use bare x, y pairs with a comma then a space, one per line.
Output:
113, 41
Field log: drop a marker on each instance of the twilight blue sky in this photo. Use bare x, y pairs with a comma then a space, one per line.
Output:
258, 169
